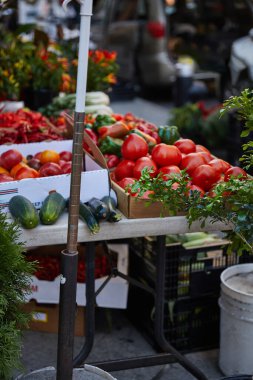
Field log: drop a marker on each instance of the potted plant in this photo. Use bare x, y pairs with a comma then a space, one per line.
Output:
33, 71
15, 278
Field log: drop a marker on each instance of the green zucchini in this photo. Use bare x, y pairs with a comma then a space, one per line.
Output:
86, 214
99, 208
24, 212
52, 207
114, 216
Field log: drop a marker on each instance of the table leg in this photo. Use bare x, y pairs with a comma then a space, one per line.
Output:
69, 261
90, 305
159, 312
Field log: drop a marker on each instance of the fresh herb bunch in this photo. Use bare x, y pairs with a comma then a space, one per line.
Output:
15, 278
229, 202
243, 105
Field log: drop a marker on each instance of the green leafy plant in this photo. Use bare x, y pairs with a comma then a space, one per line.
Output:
243, 105
15, 278
201, 123
229, 202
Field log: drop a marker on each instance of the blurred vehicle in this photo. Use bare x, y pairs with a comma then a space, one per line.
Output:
136, 30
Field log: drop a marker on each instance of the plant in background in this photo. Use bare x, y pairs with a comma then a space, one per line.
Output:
15, 278
46, 70
202, 124
13, 65
102, 70
31, 64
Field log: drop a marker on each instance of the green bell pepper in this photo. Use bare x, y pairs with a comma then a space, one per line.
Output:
103, 120
168, 134
111, 145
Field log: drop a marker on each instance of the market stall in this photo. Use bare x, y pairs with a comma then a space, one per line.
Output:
134, 162
125, 229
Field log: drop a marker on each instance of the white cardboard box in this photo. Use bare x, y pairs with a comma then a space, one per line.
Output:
94, 181
113, 295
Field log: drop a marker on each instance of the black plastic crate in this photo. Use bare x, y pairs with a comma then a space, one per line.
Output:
189, 272
192, 288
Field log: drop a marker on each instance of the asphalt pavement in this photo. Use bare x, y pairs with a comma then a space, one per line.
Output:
116, 337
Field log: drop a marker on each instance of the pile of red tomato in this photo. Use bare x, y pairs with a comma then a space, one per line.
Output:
14, 167
204, 169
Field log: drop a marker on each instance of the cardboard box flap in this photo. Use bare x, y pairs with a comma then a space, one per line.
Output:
97, 155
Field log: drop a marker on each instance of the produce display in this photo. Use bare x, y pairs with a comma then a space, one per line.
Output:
48, 267
96, 102
92, 212
129, 145
15, 167
26, 126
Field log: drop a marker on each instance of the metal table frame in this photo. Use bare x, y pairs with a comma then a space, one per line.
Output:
124, 229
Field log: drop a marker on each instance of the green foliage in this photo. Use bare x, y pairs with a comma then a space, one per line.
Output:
231, 203
243, 105
187, 118
203, 125
15, 278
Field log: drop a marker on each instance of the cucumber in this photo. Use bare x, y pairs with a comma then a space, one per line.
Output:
24, 212
99, 208
52, 207
86, 214
114, 216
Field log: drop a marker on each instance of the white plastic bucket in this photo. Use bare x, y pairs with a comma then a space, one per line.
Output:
236, 320
88, 372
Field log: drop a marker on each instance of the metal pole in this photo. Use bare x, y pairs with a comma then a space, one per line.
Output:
69, 257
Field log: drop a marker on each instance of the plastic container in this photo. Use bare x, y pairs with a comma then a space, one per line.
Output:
236, 320
87, 373
191, 290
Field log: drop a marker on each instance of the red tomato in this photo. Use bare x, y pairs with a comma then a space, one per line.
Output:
207, 156
49, 169
185, 146
66, 168
165, 155
235, 172
5, 178
61, 163
10, 158
191, 161
65, 155
134, 147
175, 186
168, 170
26, 172
15, 168
201, 148
196, 188
204, 176
124, 182
124, 169
37, 155
219, 165
144, 162
147, 194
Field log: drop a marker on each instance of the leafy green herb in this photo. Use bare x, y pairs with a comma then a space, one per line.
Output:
231, 203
